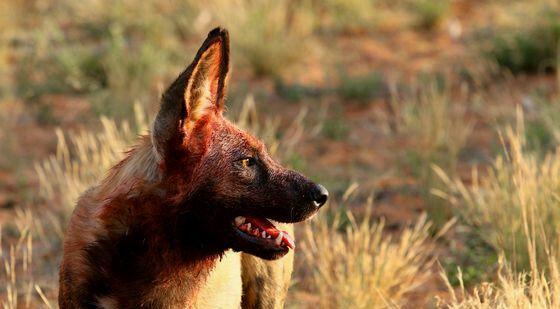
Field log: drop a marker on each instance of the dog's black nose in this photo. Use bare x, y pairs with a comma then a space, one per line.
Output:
319, 195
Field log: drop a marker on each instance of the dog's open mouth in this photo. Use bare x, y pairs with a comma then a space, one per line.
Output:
261, 230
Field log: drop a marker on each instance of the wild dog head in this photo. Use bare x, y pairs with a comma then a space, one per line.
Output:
223, 176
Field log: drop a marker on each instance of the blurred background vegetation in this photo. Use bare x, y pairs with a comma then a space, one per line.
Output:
434, 124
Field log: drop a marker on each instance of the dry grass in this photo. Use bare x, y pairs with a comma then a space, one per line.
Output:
17, 263
268, 35
83, 159
267, 129
535, 286
513, 290
355, 264
9, 113
514, 207
25, 270
525, 38
33, 240
348, 16
516, 199
434, 122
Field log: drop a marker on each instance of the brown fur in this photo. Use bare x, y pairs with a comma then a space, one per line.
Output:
157, 231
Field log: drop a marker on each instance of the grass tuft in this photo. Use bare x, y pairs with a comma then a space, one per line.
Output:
531, 47
437, 127
83, 159
354, 264
532, 289
269, 35
362, 88
430, 13
109, 56
348, 16
516, 199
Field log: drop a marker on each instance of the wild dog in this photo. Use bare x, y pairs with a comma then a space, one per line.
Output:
171, 213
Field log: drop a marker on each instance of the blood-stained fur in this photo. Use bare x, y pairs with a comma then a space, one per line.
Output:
164, 228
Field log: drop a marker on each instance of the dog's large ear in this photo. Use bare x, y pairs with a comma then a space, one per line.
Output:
196, 93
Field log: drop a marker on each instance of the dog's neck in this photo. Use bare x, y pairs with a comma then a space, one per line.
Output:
153, 240
149, 248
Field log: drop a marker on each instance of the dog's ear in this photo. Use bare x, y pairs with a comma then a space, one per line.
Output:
198, 92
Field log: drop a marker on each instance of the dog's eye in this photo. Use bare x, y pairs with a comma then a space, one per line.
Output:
248, 162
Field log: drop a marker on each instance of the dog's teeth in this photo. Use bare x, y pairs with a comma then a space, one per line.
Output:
268, 236
239, 220
278, 239
263, 234
249, 226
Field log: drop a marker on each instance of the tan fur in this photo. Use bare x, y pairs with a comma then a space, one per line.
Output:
266, 283
199, 92
223, 287
142, 166
107, 303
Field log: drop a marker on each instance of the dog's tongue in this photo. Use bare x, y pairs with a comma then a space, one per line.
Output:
271, 230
